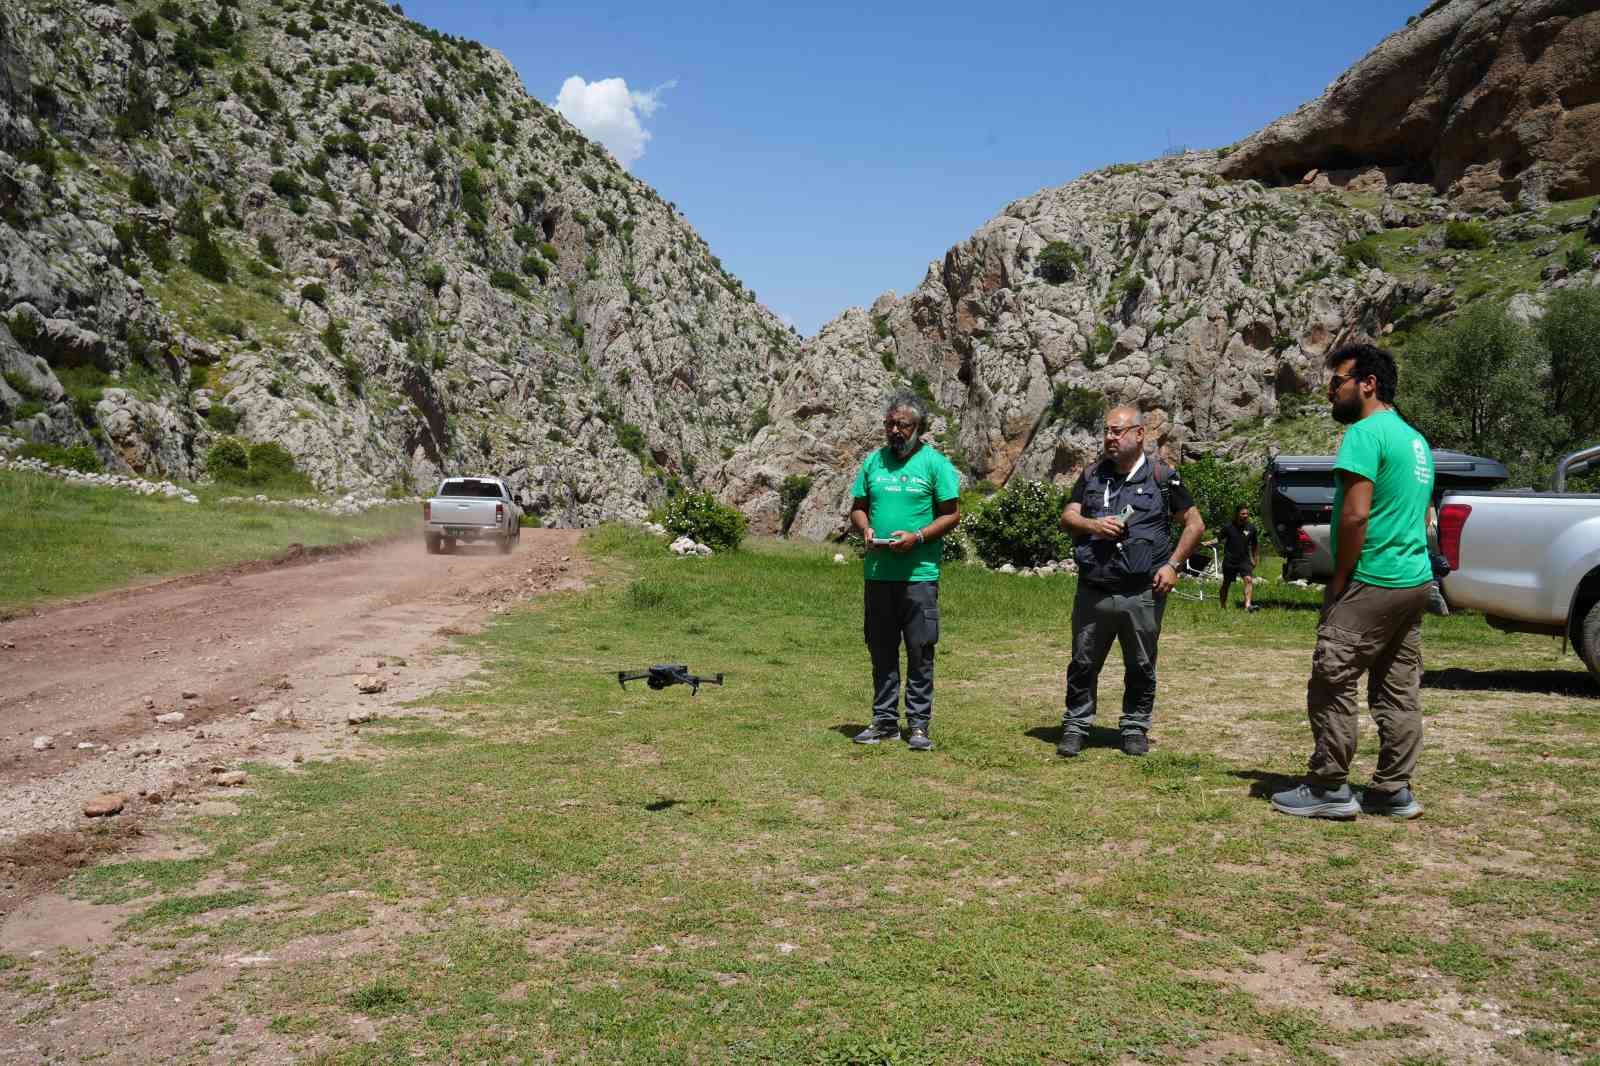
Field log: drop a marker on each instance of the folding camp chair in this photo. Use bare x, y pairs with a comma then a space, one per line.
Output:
1199, 568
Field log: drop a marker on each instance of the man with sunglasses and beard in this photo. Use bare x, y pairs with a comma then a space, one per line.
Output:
904, 500
1372, 609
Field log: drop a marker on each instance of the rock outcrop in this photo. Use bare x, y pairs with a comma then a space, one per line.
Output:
1480, 98
1209, 304
342, 231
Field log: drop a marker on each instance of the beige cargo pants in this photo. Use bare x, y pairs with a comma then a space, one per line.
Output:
1378, 632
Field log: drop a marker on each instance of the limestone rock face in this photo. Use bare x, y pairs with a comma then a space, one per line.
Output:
1485, 99
428, 271
1203, 302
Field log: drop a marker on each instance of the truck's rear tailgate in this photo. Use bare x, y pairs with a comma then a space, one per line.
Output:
462, 512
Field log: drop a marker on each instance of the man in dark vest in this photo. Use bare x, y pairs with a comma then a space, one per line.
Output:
1120, 517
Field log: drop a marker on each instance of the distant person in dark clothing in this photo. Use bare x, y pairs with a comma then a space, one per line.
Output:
1241, 554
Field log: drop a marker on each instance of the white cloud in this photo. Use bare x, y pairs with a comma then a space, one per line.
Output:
608, 111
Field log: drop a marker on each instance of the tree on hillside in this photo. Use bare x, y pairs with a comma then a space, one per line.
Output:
1570, 334
1219, 488
1475, 385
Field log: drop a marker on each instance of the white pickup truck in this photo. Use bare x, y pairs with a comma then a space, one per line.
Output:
1297, 503
1530, 561
468, 509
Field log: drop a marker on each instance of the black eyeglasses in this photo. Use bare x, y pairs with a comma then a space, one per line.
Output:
1117, 431
1339, 379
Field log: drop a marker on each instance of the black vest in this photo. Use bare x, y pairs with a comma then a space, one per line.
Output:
1129, 564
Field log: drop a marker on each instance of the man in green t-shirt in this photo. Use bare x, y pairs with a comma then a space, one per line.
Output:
1372, 610
904, 501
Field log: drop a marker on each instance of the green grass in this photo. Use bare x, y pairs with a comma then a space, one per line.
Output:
63, 540
552, 867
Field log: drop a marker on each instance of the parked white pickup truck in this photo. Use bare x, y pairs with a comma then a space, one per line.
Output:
1297, 503
468, 509
1530, 561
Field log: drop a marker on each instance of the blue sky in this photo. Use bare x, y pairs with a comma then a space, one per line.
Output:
828, 151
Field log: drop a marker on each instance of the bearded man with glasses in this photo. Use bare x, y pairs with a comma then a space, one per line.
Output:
1120, 516
904, 501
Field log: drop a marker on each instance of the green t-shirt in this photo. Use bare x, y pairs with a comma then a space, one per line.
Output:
1387, 452
901, 494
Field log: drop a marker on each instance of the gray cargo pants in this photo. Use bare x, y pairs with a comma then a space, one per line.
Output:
1098, 618
896, 611
1376, 631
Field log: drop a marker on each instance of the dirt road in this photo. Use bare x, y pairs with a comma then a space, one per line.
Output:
261, 661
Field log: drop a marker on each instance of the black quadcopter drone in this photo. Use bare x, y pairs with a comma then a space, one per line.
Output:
659, 677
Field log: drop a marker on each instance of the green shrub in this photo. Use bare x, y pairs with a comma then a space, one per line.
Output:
268, 250
1020, 525
142, 190
1059, 261
222, 418
631, 437
1577, 260
535, 267
333, 338
1466, 235
505, 280
433, 277
1220, 487
791, 495
314, 292
228, 459
145, 25
207, 259
286, 185
79, 457
270, 463
1361, 253
1077, 406
700, 516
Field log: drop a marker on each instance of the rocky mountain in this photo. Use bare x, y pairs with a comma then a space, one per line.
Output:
322, 224
1207, 287
1486, 100
319, 223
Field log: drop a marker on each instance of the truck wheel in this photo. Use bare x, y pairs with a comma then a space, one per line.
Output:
507, 542
432, 541
449, 545
1589, 641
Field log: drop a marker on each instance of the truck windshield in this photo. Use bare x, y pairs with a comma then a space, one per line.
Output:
482, 489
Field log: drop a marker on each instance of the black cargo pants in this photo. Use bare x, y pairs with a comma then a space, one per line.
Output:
897, 611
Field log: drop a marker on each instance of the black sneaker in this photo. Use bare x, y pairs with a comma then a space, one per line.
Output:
1397, 804
1069, 745
1135, 744
918, 740
876, 733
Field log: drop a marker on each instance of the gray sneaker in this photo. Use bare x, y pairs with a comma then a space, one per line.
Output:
1398, 804
918, 740
876, 733
1309, 801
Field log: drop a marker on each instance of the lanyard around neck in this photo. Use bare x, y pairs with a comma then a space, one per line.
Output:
1128, 477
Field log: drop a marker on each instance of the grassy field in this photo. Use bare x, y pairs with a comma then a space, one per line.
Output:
64, 540
545, 868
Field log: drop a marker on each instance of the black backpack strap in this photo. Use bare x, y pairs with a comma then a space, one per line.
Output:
1163, 475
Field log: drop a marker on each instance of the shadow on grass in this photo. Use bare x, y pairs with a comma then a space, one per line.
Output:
1264, 783
1099, 736
1538, 682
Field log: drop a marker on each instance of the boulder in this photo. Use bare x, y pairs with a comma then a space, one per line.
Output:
104, 805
